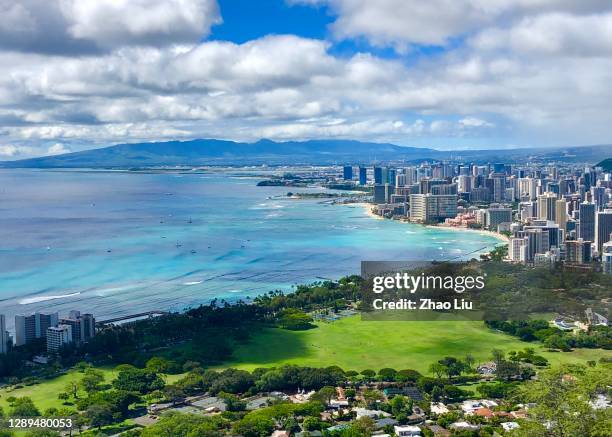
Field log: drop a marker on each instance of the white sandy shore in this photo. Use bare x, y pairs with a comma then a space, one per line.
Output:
368, 210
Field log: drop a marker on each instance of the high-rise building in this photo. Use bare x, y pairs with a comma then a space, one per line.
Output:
58, 336
603, 228
527, 188
498, 186
577, 251
538, 242
518, 249
389, 190
598, 197
378, 175
363, 176
4, 335
497, 216
587, 221
83, 325
561, 214
400, 180
426, 208
465, 183
347, 173
547, 204
606, 257
555, 235
379, 193
527, 211
391, 173
32, 326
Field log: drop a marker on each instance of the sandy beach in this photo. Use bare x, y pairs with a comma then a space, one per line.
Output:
367, 207
499, 236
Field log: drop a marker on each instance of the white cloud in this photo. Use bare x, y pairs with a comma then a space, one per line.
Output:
12, 151
530, 70
400, 23
83, 26
57, 149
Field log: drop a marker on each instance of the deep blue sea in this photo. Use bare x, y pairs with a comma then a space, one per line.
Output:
117, 243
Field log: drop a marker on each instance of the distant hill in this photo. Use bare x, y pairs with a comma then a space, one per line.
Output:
220, 152
606, 164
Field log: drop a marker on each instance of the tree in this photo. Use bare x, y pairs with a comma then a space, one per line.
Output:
295, 320
72, 389
371, 397
99, 415
437, 369
469, 361
557, 342
364, 426
42, 433
91, 380
562, 400
311, 424
82, 366
368, 373
497, 355
452, 366
407, 375
142, 381
436, 393
253, 425
232, 402
174, 393
178, 424
24, 407
161, 365
387, 373
401, 405
325, 394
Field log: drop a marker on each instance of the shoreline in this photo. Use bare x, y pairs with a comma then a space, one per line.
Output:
484, 232
367, 207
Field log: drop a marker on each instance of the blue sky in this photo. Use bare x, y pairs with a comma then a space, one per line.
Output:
449, 74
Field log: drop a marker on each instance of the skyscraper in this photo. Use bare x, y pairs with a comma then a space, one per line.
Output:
547, 204
427, 208
58, 336
4, 336
32, 326
603, 228
363, 176
587, 221
578, 251
497, 216
83, 325
598, 197
561, 214
378, 175
347, 173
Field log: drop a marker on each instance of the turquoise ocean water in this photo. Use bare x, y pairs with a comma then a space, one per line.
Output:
116, 243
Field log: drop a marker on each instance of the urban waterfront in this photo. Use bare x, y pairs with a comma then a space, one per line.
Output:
115, 243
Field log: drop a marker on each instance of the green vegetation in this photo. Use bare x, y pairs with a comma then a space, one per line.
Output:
355, 344
606, 164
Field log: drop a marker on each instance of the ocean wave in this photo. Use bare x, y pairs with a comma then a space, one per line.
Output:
37, 299
192, 283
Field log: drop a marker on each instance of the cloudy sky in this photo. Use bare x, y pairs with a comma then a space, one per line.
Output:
78, 74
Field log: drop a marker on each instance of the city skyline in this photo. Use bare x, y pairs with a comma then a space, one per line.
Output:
470, 74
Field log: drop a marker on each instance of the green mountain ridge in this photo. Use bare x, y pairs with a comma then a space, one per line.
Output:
200, 152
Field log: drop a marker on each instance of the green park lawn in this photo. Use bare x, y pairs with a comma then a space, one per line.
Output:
354, 344
44, 394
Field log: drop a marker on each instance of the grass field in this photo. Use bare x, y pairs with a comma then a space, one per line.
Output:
354, 344
44, 394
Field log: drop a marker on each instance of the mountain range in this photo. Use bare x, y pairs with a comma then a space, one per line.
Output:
201, 152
